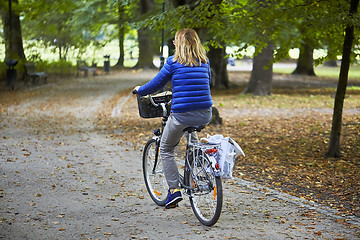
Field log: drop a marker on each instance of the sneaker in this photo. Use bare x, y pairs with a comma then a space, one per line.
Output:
171, 206
173, 199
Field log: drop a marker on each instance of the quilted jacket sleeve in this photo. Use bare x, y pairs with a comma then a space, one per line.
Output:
158, 81
209, 71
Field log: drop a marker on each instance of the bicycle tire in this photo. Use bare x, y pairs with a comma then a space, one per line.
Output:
154, 177
207, 198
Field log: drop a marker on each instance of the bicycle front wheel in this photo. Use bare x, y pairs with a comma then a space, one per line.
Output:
153, 173
207, 195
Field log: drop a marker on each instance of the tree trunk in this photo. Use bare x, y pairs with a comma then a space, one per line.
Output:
334, 145
171, 47
121, 47
121, 27
145, 41
12, 36
120, 63
60, 52
260, 83
218, 63
305, 62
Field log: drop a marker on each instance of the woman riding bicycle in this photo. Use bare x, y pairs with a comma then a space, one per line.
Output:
190, 75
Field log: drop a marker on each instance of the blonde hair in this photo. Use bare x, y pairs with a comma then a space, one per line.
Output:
188, 48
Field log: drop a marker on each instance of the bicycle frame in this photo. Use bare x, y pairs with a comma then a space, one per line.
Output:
190, 147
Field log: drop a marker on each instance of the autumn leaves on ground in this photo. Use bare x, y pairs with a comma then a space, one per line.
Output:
284, 136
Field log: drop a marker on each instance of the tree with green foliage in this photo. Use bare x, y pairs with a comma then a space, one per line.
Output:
351, 22
217, 52
323, 22
208, 19
260, 83
52, 23
272, 27
145, 37
10, 14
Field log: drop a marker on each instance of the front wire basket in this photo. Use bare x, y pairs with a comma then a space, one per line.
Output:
148, 110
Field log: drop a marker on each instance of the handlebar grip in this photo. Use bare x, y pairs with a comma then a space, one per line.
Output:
134, 92
152, 101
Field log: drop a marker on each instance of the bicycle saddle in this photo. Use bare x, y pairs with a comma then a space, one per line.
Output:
192, 129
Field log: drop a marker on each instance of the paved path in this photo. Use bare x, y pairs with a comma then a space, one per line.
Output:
63, 177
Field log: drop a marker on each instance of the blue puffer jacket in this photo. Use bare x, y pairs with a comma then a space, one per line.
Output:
191, 85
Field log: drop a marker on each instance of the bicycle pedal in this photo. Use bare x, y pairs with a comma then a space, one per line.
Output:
171, 206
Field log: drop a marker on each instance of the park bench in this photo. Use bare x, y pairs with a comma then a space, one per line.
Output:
82, 67
33, 74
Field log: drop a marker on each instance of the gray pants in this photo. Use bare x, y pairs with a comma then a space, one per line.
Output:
171, 136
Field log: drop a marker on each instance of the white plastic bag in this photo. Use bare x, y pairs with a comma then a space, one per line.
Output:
226, 153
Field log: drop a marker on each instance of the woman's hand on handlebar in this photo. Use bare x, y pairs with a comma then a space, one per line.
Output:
135, 90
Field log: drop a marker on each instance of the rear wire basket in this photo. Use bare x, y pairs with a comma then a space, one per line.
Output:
147, 110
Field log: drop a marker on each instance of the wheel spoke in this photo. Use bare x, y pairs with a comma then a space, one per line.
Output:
206, 199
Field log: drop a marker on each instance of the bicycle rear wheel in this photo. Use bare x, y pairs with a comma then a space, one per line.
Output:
207, 196
153, 173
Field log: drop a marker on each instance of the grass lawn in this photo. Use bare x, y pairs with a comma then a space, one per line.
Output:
327, 72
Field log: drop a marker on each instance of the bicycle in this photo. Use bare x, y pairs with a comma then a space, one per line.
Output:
201, 180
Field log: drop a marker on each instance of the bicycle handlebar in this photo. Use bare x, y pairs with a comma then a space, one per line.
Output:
152, 101
156, 101
150, 98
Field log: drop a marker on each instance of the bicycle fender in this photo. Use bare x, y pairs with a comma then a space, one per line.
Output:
213, 165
